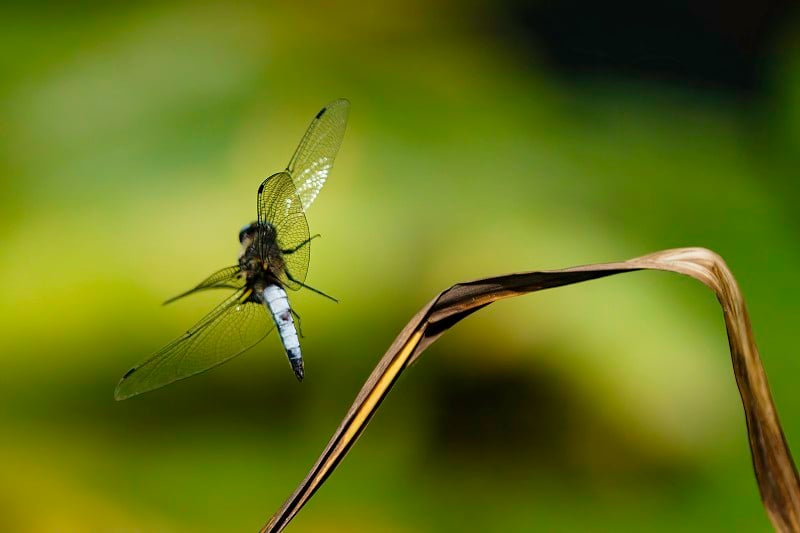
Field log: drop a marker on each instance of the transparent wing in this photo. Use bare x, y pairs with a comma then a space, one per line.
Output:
313, 159
281, 211
226, 278
235, 325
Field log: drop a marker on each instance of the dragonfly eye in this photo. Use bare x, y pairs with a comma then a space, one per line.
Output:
245, 230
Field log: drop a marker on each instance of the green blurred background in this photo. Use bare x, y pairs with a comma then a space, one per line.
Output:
484, 138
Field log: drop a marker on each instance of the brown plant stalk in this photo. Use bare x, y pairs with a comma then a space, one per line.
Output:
772, 462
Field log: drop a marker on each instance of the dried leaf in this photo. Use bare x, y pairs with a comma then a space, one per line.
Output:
774, 468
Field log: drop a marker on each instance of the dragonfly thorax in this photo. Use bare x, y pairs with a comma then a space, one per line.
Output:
260, 257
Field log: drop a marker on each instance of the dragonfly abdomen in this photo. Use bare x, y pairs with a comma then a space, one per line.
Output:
274, 297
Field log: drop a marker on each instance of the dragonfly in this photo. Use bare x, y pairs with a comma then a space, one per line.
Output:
274, 256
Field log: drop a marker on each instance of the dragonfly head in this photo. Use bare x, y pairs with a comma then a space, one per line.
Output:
248, 231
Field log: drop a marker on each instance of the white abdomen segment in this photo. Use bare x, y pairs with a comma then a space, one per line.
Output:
274, 297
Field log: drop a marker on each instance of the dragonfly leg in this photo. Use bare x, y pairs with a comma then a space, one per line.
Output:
299, 323
312, 289
299, 246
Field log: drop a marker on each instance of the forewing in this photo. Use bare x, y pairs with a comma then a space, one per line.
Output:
231, 328
313, 159
226, 278
279, 207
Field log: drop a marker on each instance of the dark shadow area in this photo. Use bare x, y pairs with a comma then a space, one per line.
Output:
718, 45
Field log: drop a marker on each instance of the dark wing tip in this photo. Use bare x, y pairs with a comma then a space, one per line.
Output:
336, 103
118, 394
261, 187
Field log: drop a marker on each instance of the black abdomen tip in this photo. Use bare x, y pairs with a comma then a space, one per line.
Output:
297, 366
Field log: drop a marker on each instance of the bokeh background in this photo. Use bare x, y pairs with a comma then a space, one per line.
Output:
484, 138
